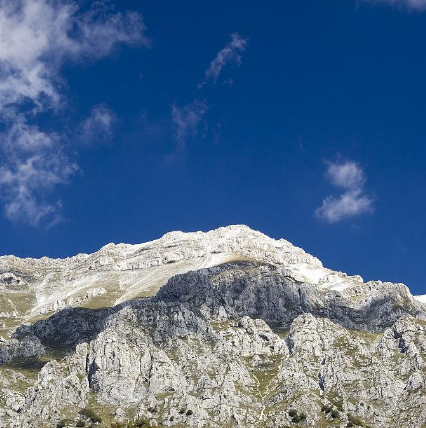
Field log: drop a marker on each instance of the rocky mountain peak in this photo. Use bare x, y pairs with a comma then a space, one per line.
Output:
228, 328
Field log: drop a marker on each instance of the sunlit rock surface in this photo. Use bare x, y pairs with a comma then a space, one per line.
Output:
219, 329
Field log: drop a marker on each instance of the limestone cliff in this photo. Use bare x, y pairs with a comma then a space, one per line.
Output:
228, 328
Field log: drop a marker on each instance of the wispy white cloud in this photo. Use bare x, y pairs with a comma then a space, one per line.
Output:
418, 5
350, 177
347, 205
99, 125
230, 54
21, 138
187, 120
36, 38
25, 182
347, 175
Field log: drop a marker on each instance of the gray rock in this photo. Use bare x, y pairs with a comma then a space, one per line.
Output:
250, 344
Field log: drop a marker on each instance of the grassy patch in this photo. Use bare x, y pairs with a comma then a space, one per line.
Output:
90, 414
355, 421
266, 373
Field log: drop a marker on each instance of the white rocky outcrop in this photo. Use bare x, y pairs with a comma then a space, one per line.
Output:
127, 271
224, 328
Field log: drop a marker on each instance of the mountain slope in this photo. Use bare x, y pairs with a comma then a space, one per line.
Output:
259, 335
31, 288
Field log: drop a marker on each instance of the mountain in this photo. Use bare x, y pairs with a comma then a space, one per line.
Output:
228, 328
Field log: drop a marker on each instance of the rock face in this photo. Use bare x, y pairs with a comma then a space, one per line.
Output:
245, 331
33, 287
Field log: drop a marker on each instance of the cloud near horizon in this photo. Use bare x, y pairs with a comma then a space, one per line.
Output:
36, 38
418, 5
350, 177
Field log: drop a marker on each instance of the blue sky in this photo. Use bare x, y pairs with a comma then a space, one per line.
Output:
305, 120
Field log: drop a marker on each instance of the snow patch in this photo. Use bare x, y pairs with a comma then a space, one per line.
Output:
421, 299
324, 277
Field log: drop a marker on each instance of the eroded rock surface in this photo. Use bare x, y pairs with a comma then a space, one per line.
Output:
259, 343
